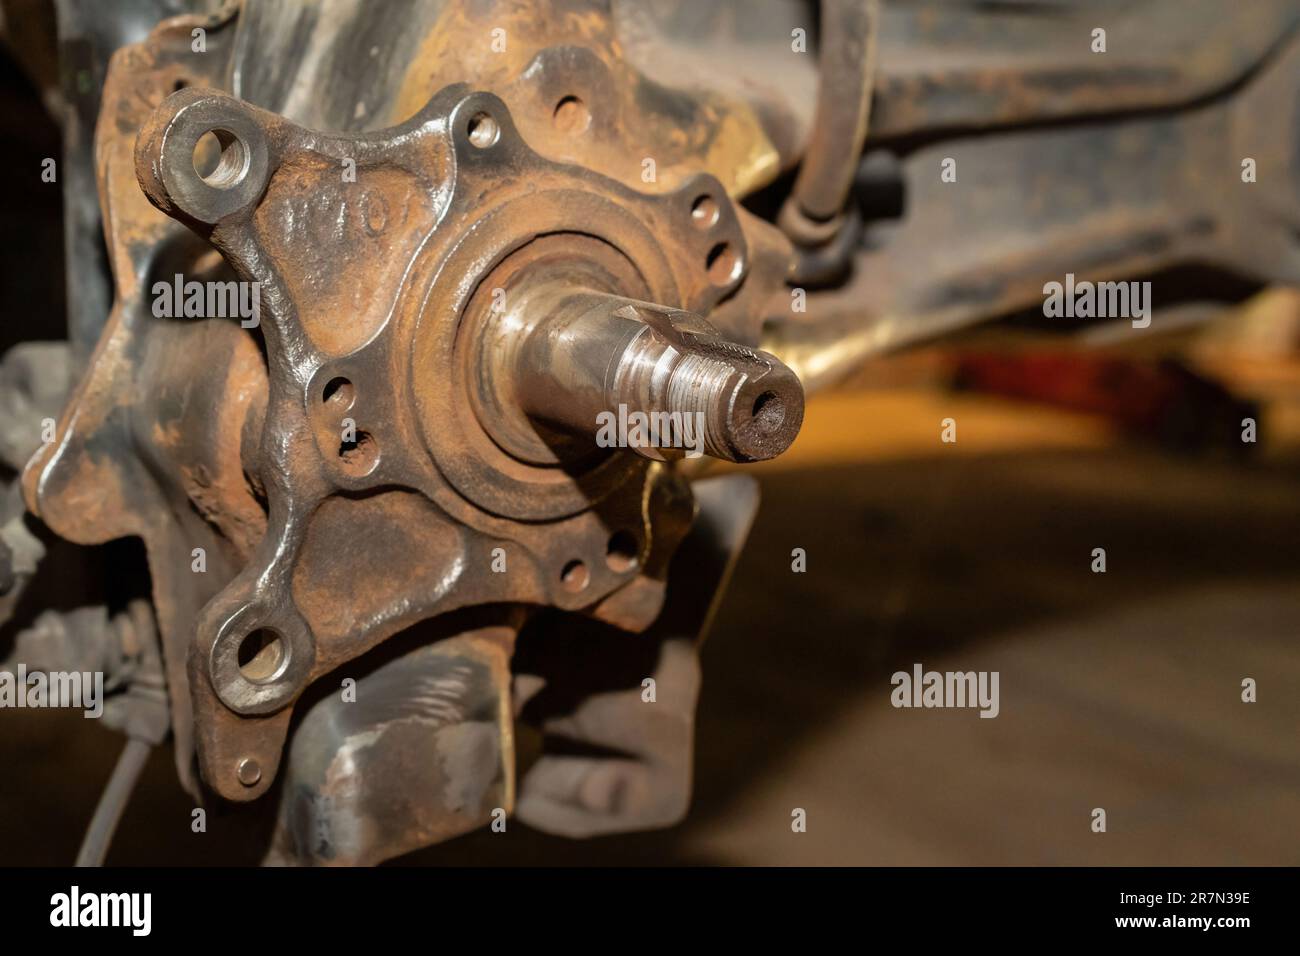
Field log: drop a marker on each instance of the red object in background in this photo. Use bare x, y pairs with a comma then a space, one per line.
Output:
1162, 401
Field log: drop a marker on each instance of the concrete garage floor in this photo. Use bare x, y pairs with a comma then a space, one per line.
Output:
1118, 690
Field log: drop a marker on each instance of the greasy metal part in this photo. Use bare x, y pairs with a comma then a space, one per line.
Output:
948, 67
88, 33
1147, 192
846, 64
422, 752
154, 451
407, 181
593, 354
582, 77
379, 312
452, 195
611, 762
816, 215
742, 51
421, 185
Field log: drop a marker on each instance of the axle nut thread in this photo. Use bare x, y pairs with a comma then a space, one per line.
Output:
746, 404
750, 408
591, 354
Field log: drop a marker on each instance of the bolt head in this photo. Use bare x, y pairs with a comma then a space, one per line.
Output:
250, 772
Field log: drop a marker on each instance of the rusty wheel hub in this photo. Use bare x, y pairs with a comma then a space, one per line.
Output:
446, 321
444, 325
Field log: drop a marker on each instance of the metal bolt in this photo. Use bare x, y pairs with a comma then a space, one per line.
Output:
250, 772
597, 352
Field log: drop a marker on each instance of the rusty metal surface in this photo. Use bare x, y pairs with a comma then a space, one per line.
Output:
950, 65
849, 34
818, 215
148, 389
579, 76
1124, 198
419, 467
424, 752
625, 765
337, 464
474, 226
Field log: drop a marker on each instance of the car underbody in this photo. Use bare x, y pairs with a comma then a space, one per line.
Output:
401, 334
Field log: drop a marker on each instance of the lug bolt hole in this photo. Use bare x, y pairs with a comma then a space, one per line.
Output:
621, 553
483, 130
360, 455
571, 116
262, 656
575, 577
704, 212
339, 394
722, 264
220, 159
